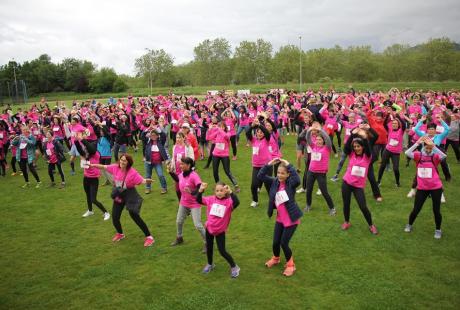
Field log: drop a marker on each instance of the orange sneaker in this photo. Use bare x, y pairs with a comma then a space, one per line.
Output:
275, 260
289, 268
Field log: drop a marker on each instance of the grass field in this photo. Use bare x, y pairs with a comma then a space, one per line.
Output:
52, 258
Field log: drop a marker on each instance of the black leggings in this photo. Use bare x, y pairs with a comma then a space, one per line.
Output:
91, 185
332, 144
322, 184
339, 137
256, 184
3, 167
377, 151
307, 165
373, 182
117, 209
213, 145
385, 160
233, 142
13, 163
420, 197
52, 167
226, 163
24, 165
455, 146
360, 199
220, 240
281, 237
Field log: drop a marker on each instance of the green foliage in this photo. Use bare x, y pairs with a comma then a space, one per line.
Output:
252, 62
156, 67
212, 64
106, 80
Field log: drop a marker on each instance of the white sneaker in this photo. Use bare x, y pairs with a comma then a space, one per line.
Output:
411, 193
443, 199
408, 228
254, 204
258, 190
437, 234
88, 213
318, 192
106, 216
300, 190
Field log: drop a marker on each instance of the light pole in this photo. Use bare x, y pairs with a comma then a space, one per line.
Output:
150, 70
15, 81
300, 64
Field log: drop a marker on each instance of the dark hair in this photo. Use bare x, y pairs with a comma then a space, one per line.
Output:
431, 126
129, 159
188, 161
359, 141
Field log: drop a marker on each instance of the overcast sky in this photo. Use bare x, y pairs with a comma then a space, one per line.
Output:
114, 33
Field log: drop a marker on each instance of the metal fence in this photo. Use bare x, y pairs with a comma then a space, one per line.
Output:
13, 92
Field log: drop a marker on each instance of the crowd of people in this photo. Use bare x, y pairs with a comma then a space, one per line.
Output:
174, 133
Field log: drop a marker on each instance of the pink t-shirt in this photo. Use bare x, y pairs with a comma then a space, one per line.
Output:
191, 183
273, 147
357, 170
50, 152
57, 131
395, 141
222, 141
319, 162
230, 123
427, 174
218, 213
260, 152
132, 179
282, 215
178, 154
92, 172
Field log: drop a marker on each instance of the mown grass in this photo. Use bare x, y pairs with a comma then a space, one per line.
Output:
255, 88
53, 258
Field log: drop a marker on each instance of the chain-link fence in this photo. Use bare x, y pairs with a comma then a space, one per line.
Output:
13, 92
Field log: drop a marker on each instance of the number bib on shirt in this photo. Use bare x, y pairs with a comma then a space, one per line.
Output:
281, 197
220, 146
178, 156
393, 142
154, 148
84, 164
440, 129
358, 171
36, 132
270, 149
48, 152
228, 128
1, 135
22, 145
330, 126
255, 150
217, 210
315, 156
55, 129
347, 132
425, 173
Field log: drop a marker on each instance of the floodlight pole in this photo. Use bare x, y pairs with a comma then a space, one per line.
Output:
15, 81
150, 71
300, 64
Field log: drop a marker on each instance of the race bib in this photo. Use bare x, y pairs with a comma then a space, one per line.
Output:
55, 129
220, 146
281, 197
330, 126
36, 132
48, 152
425, 173
315, 156
358, 171
393, 142
1, 135
228, 128
440, 129
347, 132
270, 149
22, 145
217, 210
84, 164
255, 150
104, 123
154, 148
179, 156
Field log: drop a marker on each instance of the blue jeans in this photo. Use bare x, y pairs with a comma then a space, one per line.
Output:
240, 130
159, 170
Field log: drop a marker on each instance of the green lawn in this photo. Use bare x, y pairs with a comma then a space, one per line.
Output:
52, 258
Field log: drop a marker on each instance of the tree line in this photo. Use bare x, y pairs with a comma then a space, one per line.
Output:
251, 62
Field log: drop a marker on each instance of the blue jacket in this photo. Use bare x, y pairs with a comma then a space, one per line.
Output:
30, 140
148, 152
103, 147
291, 184
437, 139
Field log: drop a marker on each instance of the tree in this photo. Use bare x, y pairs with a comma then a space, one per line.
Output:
285, 64
212, 62
76, 74
106, 80
252, 61
157, 67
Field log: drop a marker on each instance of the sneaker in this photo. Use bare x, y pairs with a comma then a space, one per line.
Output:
88, 213
72, 172
437, 234
163, 191
149, 241
14, 174
443, 199
307, 209
373, 230
26, 185
397, 185
275, 260
106, 216
289, 268
208, 268
300, 190
118, 237
335, 178
39, 184
332, 212
179, 240
62, 185
318, 192
346, 225
234, 157
235, 271
237, 189
147, 191
408, 228
411, 193
254, 204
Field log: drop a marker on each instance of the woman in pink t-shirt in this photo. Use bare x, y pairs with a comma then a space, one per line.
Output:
180, 150
428, 181
219, 208
125, 180
360, 155
189, 182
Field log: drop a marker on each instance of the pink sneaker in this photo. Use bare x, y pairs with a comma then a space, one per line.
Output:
149, 241
118, 237
373, 230
234, 158
346, 225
